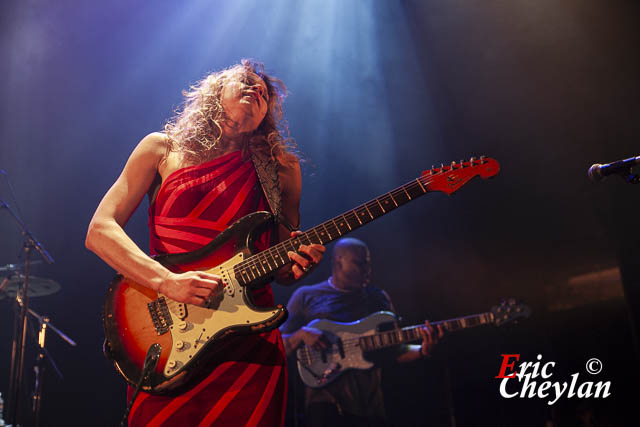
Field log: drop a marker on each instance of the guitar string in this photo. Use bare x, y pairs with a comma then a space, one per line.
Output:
254, 262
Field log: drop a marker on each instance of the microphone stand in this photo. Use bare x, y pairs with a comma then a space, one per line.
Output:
39, 367
20, 323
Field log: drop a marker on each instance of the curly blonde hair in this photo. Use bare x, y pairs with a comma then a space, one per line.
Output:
196, 128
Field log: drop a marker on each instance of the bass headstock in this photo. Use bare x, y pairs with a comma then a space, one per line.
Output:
509, 310
449, 178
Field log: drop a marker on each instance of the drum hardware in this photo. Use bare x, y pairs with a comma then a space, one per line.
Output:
20, 322
38, 286
18, 267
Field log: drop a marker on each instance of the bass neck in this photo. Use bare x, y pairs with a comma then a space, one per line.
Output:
409, 334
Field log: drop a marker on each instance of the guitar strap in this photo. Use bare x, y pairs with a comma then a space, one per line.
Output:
267, 171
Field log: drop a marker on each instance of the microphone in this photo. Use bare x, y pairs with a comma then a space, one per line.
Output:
598, 172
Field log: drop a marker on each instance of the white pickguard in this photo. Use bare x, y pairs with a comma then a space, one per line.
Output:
353, 355
190, 333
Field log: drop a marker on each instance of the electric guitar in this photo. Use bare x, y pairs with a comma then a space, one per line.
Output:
347, 343
136, 317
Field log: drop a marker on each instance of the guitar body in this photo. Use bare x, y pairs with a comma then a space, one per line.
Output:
135, 317
319, 368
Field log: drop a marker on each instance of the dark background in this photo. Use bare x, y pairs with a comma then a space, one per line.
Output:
379, 91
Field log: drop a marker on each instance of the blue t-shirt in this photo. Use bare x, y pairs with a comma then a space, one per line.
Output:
358, 392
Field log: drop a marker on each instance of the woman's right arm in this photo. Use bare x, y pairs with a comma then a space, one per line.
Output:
107, 238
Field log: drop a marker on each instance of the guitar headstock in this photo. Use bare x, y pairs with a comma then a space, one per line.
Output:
449, 178
509, 310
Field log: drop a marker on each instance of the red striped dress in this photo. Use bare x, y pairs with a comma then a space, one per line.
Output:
248, 381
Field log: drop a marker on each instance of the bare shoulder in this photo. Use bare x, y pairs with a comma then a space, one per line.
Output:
155, 145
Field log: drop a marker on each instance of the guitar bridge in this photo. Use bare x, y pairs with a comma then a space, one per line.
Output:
160, 315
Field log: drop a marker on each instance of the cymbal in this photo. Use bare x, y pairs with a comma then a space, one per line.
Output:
38, 286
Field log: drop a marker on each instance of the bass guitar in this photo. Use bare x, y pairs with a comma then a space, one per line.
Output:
136, 318
347, 343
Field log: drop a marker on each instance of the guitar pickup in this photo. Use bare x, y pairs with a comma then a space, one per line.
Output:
160, 315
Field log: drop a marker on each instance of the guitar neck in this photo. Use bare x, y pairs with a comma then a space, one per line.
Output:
265, 263
412, 333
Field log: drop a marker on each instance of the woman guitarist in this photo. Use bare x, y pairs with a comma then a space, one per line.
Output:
200, 178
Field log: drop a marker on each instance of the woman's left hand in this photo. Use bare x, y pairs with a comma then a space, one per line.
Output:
307, 257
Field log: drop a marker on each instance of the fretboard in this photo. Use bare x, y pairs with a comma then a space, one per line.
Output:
412, 333
265, 263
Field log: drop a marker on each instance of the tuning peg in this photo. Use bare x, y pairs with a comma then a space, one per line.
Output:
433, 169
441, 167
461, 163
453, 164
471, 160
482, 159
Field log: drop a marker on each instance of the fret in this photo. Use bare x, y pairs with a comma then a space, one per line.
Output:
251, 271
406, 192
400, 197
282, 254
370, 343
387, 339
414, 191
394, 200
327, 230
290, 245
346, 221
336, 226
238, 276
261, 264
315, 230
356, 215
362, 344
414, 334
304, 236
322, 234
419, 183
379, 204
268, 257
382, 340
380, 343
376, 209
368, 211
246, 272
